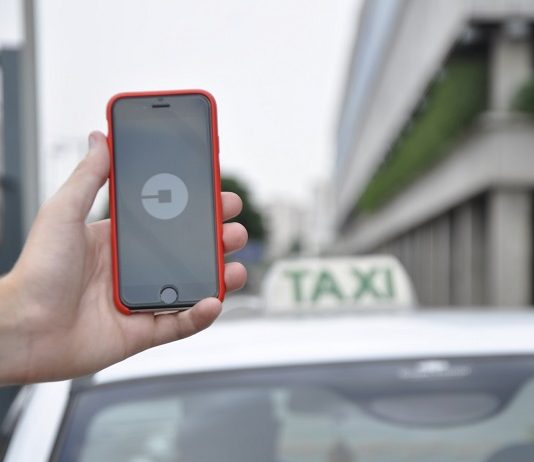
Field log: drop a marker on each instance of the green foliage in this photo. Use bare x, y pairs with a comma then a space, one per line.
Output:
250, 217
451, 105
524, 99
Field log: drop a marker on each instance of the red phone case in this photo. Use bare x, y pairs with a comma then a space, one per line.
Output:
216, 190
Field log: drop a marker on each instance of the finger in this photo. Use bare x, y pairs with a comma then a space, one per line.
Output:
235, 237
235, 276
75, 198
170, 327
231, 205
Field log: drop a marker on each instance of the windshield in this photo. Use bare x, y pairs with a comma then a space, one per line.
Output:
418, 411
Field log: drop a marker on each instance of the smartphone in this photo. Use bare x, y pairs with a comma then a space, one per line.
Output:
165, 200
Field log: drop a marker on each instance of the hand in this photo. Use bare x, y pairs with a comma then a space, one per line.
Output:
57, 315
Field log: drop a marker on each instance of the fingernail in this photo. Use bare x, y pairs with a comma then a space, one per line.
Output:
92, 141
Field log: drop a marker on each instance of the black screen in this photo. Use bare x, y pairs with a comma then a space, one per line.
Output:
164, 200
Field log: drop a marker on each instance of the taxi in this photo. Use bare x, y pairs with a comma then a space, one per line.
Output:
315, 385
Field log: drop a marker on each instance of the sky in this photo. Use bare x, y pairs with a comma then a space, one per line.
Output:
275, 67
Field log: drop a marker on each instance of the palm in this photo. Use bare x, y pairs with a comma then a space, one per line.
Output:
105, 334
97, 333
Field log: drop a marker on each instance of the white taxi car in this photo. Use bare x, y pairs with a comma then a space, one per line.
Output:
329, 374
340, 388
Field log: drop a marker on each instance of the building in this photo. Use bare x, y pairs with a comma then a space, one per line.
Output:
299, 229
283, 222
435, 159
317, 226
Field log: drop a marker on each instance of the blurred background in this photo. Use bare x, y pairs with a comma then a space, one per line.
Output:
358, 127
349, 127
277, 70
434, 147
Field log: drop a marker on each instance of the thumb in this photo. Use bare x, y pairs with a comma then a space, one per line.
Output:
74, 199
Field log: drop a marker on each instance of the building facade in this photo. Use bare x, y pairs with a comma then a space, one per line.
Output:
435, 158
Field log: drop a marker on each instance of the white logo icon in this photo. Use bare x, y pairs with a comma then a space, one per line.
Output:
164, 196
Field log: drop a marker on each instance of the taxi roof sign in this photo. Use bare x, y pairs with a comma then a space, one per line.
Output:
326, 284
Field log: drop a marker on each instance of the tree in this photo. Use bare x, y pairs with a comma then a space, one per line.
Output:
250, 217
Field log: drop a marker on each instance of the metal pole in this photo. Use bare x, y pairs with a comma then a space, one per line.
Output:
30, 150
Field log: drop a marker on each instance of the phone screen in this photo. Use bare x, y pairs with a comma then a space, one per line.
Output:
164, 195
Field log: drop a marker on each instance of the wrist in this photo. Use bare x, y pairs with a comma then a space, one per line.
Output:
12, 361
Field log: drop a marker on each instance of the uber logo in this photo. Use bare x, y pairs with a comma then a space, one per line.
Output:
164, 196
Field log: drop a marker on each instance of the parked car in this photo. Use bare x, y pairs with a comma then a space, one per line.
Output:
415, 387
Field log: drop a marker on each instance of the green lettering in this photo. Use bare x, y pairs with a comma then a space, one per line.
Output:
365, 283
326, 284
296, 278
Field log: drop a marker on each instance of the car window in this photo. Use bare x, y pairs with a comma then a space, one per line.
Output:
454, 410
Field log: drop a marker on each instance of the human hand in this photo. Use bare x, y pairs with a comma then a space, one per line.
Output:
57, 315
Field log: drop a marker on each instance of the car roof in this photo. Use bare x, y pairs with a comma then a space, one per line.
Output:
283, 341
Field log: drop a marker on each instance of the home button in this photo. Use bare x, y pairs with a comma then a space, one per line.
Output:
168, 295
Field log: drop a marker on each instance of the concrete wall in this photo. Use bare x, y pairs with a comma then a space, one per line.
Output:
509, 247
468, 253
497, 152
510, 63
409, 63
464, 230
477, 254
